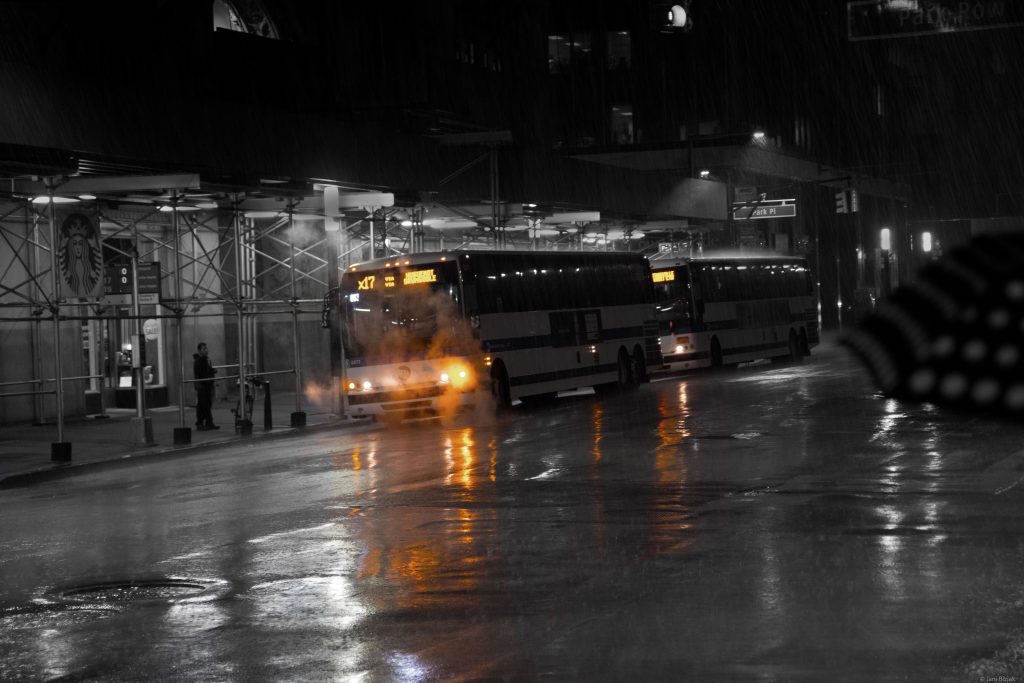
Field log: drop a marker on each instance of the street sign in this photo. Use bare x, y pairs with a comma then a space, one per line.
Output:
875, 19
768, 208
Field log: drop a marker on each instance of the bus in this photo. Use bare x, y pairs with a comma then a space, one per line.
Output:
424, 335
717, 311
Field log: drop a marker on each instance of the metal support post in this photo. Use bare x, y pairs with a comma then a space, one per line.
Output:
243, 423
143, 424
60, 451
32, 238
268, 417
373, 238
298, 417
182, 433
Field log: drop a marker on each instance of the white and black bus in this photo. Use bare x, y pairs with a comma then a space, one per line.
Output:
717, 311
420, 335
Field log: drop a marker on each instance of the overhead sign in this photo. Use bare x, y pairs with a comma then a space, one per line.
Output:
118, 280
875, 19
769, 208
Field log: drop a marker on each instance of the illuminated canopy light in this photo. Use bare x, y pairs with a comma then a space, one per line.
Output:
441, 224
926, 241
885, 239
758, 135
44, 199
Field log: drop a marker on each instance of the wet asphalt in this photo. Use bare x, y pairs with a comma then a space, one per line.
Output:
771, 523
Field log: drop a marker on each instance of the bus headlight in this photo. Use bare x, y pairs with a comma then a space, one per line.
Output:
367, 385
351, 386
458, 376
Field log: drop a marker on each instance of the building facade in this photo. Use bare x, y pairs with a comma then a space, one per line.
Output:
232, 155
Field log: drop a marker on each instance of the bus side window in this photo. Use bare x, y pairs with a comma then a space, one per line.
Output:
563, 328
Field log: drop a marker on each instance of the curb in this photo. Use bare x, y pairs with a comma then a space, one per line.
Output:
62, 470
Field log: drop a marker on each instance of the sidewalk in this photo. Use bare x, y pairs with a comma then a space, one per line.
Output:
25, 450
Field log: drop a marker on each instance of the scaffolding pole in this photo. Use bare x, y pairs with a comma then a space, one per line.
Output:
243, 424
183, 433
60, 451
298, 418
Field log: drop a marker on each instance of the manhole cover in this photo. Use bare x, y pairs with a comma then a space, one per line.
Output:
163, 589
50, 616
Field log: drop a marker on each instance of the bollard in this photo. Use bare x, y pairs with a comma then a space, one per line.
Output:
243, 426
268, 421
182, 436
60, 451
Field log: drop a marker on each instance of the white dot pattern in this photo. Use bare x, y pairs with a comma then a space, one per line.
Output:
955, 336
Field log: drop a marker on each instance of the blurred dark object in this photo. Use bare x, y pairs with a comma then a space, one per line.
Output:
955, 336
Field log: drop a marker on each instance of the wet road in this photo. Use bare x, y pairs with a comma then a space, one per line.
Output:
771, 524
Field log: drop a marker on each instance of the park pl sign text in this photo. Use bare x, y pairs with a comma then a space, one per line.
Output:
874, 19
769, 208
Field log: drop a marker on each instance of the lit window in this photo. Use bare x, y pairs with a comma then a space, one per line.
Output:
619, 50
254, 21
622, 124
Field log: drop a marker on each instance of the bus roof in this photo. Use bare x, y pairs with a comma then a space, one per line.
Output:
660, 264
441, 256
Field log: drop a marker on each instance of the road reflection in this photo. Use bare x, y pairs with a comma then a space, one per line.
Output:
668, 522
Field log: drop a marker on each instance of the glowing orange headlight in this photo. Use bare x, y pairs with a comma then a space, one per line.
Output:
459, 375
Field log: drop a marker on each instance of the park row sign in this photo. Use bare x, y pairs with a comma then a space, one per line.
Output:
874, 19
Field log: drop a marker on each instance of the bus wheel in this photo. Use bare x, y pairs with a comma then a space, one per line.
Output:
796, 353
624, 380
627, 380
716, 354
792, 352
499, 387
639, 367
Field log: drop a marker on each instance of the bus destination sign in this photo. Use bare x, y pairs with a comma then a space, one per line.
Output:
390, 280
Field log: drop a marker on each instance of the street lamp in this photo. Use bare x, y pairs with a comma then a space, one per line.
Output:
885, 267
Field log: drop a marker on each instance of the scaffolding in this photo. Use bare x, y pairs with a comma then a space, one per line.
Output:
220, 270
175, 260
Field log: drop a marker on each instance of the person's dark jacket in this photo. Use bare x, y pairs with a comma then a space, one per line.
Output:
203, 369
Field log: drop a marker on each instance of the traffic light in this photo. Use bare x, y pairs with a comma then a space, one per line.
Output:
672, 17
841, 205
847, 201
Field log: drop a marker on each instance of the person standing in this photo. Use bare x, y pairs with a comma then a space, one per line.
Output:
204, 371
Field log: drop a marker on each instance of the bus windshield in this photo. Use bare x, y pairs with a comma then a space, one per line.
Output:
393, 316
672, 293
